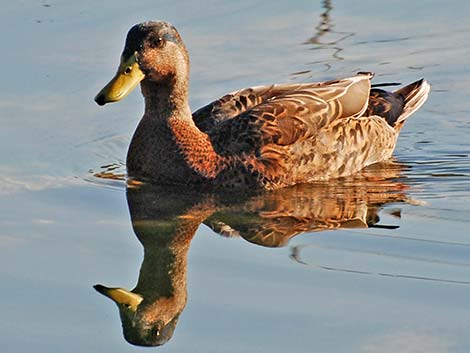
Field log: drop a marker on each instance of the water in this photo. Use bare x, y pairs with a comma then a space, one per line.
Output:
401, 285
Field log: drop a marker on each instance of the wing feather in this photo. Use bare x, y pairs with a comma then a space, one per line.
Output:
247, 120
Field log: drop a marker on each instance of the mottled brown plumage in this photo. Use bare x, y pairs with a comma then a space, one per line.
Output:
267, 137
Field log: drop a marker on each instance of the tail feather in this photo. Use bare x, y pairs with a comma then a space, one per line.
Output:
415, 94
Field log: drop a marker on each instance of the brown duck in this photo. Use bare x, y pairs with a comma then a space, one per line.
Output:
261, 137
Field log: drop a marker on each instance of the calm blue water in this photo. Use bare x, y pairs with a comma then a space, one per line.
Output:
378, 289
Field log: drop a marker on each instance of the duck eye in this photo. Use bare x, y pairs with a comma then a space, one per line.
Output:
128, 70
156, 42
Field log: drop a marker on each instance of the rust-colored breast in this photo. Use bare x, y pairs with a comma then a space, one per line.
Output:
196, 148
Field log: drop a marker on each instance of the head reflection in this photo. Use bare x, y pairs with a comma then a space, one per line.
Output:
165, 221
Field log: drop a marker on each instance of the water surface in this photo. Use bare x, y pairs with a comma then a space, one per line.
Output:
378, 263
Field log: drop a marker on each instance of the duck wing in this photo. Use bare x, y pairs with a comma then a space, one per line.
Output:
247, 120
282, 96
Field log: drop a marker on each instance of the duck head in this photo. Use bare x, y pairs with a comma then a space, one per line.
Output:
154, 51
144, 323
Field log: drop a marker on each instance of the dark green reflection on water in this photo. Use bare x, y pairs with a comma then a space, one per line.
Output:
165, 221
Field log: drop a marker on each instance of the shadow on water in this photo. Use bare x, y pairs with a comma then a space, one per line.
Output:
165, 221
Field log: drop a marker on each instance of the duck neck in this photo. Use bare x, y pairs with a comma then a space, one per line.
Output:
163, 272
166, 105
166, 245
167, 99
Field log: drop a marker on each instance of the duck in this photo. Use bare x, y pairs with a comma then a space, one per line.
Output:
263, 137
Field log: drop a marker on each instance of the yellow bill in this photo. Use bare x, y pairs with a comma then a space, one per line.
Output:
121, 296
127, 77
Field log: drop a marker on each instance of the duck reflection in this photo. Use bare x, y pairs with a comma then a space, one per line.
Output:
165, 221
